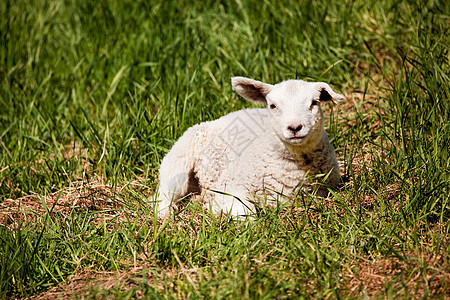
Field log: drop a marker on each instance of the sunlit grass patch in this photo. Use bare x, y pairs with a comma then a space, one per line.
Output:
94, 94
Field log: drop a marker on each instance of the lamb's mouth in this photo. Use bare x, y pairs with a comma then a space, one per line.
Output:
296, 139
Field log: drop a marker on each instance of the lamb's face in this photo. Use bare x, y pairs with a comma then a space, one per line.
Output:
293, 104
295, 109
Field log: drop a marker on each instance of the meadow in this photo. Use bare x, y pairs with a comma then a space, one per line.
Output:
94, 93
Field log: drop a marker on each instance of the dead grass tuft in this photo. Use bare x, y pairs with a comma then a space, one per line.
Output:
415, 276
81, 284
104, 284
83, 195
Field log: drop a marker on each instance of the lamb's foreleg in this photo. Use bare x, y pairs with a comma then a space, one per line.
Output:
233, 202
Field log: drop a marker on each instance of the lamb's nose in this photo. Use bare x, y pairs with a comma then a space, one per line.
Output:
295, 129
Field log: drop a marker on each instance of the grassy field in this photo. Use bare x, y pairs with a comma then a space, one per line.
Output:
94, 93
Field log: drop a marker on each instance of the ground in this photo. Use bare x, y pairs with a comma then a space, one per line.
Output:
94, 94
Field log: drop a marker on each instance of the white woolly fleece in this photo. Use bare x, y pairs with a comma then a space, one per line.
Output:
253, 154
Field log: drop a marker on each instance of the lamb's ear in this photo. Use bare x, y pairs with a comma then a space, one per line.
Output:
327, 93
251, 90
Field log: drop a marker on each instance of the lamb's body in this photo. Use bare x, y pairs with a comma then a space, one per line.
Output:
241, 155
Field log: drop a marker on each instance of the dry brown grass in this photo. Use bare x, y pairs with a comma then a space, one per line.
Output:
92, 195
82, 283
411, 273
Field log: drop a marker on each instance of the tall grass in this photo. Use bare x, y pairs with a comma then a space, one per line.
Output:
100, 90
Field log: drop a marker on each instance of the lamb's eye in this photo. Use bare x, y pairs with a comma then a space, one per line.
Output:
272, 106
314, 102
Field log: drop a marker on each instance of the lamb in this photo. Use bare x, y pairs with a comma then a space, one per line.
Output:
257, 155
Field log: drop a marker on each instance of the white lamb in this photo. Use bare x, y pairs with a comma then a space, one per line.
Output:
254, 155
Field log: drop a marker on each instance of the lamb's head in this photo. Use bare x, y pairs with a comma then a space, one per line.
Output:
294, 105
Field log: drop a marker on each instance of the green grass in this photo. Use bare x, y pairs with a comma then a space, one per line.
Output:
94, 93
